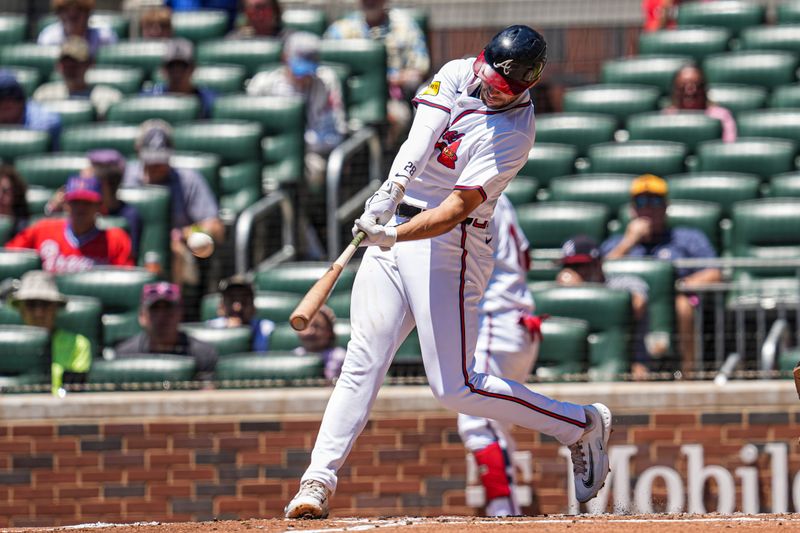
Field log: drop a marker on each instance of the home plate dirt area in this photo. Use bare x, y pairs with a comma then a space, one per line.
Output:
545, 524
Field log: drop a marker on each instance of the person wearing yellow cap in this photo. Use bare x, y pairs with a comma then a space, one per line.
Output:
649, 235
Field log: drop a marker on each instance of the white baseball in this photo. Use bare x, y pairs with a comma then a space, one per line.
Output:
201, 244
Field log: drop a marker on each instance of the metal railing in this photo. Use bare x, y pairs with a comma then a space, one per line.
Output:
246, 224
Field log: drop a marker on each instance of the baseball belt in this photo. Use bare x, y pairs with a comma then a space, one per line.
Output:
409, 211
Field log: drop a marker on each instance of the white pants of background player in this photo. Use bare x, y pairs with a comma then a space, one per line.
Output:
436, 285
505, 349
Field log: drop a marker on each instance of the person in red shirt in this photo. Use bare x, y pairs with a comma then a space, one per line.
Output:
75, 243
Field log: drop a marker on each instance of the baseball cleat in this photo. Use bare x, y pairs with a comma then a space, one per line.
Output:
311, 501
590, 453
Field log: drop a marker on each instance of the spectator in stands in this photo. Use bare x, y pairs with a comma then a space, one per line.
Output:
160, 315
237, 308
648, 235
320, 338
38, 301
659, 14
73, 21
178, 67
16, 111
156, 23
581, 263
73, 63
407, 56
689, 93
12, 197
193, 205
264, 19
301, 75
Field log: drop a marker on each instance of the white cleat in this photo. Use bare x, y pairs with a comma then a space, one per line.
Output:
590, 453
311, 501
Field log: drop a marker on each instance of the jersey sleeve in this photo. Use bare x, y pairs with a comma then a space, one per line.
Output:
442, 91
494, 164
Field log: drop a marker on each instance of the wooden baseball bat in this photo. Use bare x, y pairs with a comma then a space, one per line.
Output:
318, 294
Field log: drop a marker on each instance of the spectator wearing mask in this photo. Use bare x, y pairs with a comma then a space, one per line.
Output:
12, 198
73, 21
320, 338
16, 111
237, 309
156, 23
689, 93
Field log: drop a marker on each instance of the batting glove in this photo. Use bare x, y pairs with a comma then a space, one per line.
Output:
382, 205
377, 234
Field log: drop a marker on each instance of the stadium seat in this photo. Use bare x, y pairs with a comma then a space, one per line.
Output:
50, 170
116, 20
366, 90
100, 135
638, 157
6, 228
298, 277
42, 58
72, 111
548, 160
734, 15
233, 140
206, 164
80, 315
788, 12
581, 130
653, 71
688, 127
145, 368
737, 98
146, 55
564, 348
408, 358
522, 190
248, 53
785, 37
280, 365
550, 224
704, 216
226, 340
310, 20
127, 80
37, 197
222, 79
785, 185
762, 156
170, 107
752, 67
620, 101
18, 141
200, 25
608, 313
785, 96
722, 188
768, 228
240, 187
14, 263
28, 77
696, 42
611, 190
780, 123
272, 305
153, 204
13, 28
23, 350
340, 304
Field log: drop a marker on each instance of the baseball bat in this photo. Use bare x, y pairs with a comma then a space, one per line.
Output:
318, 294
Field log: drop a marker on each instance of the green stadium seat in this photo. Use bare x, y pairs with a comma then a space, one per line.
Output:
118, 327
249, 53
200, 25
153, 204
310, 20
785, 96
170, 107
72, 111
6, 228
788, 12
722, 188
780, 123
366, 90
764, 157
145, 55
660, 279
284, 338
734, 15
340, 304
738, 98
550, 224
87, 137
18, 141
28, 77
522, 190
638, 157
220, 78
548, 160
226, 340
80, 315
42, 58
240, 187
233, 140
696, 42
14, 263
24, 350
50, 170
127, 80
704, 216
651, 70
298, 277
620, 101
688, 127
206, 164
768, 228
564, 348
578, 129
752, 67
145, 368
785, 185
408, 358
785, 37
279, 365
13, 28
37, 197
610, 190
608, 313
116, 20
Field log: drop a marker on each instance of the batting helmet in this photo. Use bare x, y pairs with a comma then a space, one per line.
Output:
513, 60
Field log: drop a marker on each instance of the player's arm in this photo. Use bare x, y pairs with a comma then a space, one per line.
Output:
441, 219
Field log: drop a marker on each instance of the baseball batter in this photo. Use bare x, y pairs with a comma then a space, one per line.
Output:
508, 343
429, 261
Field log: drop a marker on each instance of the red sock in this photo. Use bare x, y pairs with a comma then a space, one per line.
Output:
492, 467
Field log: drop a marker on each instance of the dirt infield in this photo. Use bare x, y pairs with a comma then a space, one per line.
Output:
546, 524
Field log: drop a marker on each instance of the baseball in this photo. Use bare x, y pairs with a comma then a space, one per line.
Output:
201, 244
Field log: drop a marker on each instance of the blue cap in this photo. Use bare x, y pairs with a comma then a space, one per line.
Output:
9, 86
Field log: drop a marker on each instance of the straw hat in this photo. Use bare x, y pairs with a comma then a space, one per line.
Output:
38, 285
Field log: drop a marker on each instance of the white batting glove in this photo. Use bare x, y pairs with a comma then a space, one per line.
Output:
377, 234
382, 205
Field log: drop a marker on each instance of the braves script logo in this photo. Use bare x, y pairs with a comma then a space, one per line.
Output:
505, 65
449, 146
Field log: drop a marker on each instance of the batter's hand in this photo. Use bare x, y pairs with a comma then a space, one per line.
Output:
377, 234
382, 205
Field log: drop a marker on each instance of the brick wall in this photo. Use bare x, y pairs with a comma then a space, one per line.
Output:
196, 456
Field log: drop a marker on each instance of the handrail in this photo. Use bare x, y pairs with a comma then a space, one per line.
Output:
246, 222
336, 161
769, 350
